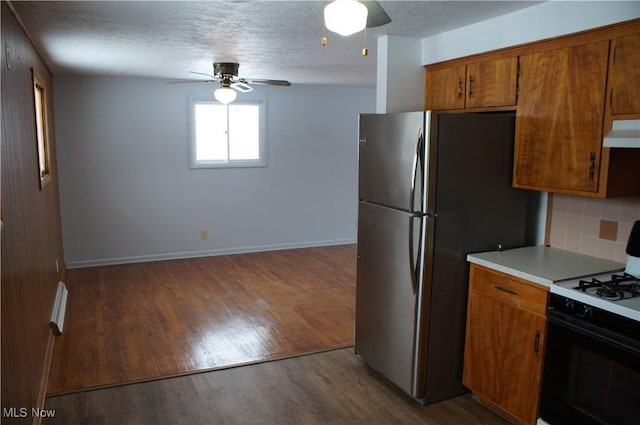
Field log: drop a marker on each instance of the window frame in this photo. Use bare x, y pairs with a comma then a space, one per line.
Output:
41, 125
243, 163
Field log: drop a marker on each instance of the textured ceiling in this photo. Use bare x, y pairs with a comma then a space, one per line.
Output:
270, 39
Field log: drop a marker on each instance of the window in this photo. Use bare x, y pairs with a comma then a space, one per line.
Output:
227, 135
42, 136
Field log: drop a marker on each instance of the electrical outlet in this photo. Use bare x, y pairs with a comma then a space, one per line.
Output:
204, 235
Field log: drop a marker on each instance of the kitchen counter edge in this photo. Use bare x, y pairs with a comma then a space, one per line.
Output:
544, 265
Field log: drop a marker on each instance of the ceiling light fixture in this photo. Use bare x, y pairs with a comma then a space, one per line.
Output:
345, 17
225, 94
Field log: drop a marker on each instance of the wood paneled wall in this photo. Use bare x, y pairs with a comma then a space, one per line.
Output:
31, 236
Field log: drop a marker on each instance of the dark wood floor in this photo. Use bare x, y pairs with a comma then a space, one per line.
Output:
329, 388
134, 322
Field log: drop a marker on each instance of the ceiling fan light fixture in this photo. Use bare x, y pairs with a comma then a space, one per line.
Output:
345, 17
225, 94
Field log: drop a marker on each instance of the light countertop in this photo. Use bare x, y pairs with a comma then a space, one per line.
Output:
544, 265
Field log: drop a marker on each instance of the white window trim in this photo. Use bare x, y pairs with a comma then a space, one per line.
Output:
245, 163
41, 123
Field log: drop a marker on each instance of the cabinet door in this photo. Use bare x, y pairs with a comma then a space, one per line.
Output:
559, 119
492, 83
625, 76
503, 355
445, 88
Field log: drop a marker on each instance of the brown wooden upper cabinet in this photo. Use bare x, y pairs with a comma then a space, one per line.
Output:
492, 83
445, 88
559, 119
485, 84
565, 92
624, 76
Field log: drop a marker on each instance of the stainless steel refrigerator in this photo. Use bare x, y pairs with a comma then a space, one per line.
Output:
433, 187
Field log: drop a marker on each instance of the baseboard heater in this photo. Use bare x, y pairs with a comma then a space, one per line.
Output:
59, 308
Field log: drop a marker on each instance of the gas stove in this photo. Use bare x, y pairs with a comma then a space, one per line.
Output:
592, 354
617, 288
617, 293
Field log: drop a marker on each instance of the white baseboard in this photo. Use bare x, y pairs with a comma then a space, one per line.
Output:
203, 253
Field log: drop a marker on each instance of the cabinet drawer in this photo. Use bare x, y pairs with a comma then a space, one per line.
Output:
502, 287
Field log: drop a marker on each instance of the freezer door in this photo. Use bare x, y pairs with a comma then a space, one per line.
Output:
387, 294
388, 172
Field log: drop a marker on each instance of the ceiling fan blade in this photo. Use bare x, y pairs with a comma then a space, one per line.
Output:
190, 81
376, 16
241, 87
282, 83
202, 73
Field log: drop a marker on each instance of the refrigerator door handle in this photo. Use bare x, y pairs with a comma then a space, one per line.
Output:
412, 262
416, 159
412, 256
413, 266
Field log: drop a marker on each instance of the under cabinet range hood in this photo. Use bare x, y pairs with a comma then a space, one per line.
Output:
623, 134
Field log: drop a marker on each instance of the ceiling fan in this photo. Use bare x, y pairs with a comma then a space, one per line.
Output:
226, 75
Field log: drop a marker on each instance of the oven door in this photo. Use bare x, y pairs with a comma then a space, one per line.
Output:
591, 375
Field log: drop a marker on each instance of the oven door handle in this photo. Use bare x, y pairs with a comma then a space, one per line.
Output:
593, 331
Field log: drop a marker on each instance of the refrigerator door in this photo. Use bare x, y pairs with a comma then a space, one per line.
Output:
390, 146
477, 210
387, 294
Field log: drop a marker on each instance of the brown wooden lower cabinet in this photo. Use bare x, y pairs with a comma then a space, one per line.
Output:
505, 338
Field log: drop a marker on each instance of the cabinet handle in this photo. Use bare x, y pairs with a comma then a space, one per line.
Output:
519, 74
459, 88
536, 343
592, 167
471, 81
7, 57
507, 290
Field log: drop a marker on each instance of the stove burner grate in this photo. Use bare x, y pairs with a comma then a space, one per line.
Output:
619, 287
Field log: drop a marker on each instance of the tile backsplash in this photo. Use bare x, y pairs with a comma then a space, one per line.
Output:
598, 227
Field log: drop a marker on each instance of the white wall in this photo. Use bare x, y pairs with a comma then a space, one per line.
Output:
128, 194
546, 20
400, 77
